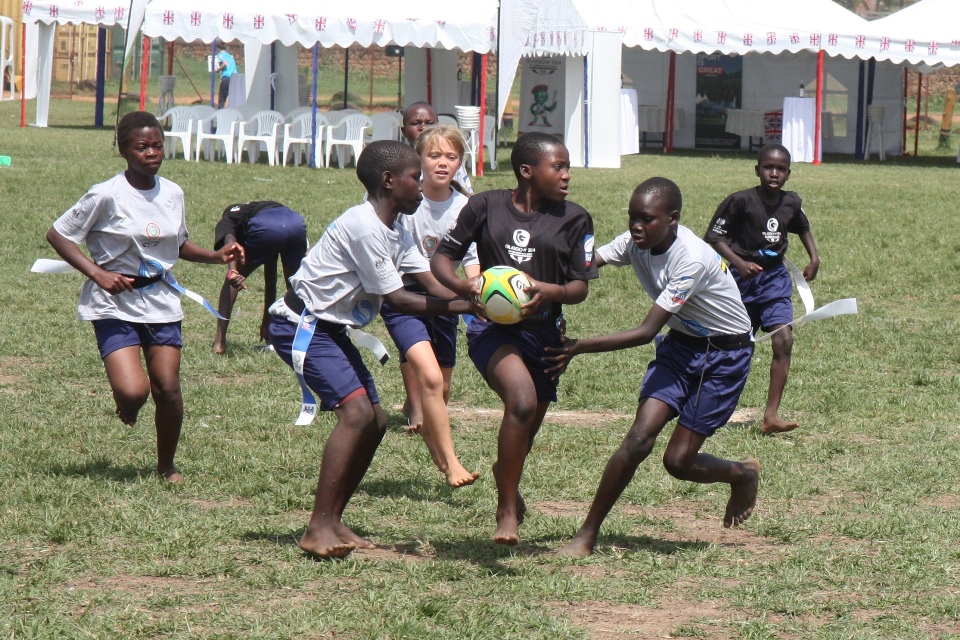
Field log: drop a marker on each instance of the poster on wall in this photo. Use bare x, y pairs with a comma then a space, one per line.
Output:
541, 96
719, 84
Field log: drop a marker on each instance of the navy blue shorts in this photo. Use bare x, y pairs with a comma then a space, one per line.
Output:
767, 297
334, 367
484, 338
439, 331
276, 231
113, 334
702, 385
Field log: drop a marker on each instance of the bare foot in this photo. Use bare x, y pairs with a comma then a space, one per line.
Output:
458, 477
576, 548
521, 508
171, 475
219, 348
776, 424
125, 418
348, 536
325, 544
508, 530
413, 429
743, 496
414, 417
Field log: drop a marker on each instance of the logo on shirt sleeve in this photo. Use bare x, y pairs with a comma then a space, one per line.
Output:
718, 227
681, 290
588, 250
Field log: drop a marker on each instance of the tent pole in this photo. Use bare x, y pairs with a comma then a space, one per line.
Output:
429, 77
144, 68
817, 130
586, 114
123, 67
671, 102
101, 75
213, 73
916, 122
483, 111
346, 76
313, 110
23, 75
858, 148
906, 94
170, 50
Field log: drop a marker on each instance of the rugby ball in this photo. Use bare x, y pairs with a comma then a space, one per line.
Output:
502, 293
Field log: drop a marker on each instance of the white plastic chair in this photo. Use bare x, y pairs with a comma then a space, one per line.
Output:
203, 114
263, 128
445, 119
249, 109
226, 122
875, 115
468, 119
296, 137
347, 133
180, 132
490, 140
386, 126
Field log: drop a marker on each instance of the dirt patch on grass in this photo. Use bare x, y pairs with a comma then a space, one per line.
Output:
10, 368
561, 508
404, 552
672, 618
233, 503
139, 585
485, 416
946, 501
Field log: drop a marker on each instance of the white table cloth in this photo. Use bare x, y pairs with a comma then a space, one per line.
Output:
745, 122
654, 119
629, 128
799, 128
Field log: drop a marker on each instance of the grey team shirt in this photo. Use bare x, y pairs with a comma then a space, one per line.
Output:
357, 261
689, 280
133, 232
431, 222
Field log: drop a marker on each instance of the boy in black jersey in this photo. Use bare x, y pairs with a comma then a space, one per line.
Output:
534, 229
750, 230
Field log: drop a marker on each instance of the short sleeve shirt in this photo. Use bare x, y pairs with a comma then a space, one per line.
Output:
231, 67
689, 280
356, 262
133, 232
431, 222
753, 229
553, 246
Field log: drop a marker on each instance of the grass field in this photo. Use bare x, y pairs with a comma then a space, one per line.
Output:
856, 532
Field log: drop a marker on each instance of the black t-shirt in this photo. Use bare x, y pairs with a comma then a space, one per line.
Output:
554, 245
756, 231
235, 219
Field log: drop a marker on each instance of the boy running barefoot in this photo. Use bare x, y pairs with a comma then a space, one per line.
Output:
342, 282
535, 229
750, 231
701, 364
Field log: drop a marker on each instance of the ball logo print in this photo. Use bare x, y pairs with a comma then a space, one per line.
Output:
502, 293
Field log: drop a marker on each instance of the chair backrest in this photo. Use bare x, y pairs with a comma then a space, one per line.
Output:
263, 122
290, 117
247, 109
202, 111
179, 118
445, 119
351, 127
335, 115
385, 126
225, 119
489, 130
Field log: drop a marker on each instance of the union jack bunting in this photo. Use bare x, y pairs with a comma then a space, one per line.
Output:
673, 33
833, 39
648, 34
493, 34
748, 39
195, 18
771, 37
27, 7
291, 18
794, 38
258, 21
721, 37
227, 21
861, 42
78, 3
909, 45
379, 25
320, 24
932, 47
884, 44
100, 12
118, 13
698, 36
168, 17
54, 11
352, 24
815, 39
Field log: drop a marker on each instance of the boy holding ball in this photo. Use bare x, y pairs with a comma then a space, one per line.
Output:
701, 364
536, 230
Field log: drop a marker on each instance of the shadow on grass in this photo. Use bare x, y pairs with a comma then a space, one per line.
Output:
647, 544
429, 488
483, 552
104, 469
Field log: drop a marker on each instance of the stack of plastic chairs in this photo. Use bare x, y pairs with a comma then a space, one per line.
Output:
468, 119
875, 115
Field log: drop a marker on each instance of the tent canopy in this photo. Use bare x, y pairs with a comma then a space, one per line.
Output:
927, 32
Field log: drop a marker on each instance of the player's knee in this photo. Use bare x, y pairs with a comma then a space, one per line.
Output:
431, 381
166, 391
783, 342
521, 407
677, 465
637, 446
132, 396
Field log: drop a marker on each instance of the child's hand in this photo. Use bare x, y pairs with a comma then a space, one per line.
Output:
561, 356
810, 271
748, 270
536, 297
236, 280
113, 283
230, 252
472, 287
